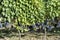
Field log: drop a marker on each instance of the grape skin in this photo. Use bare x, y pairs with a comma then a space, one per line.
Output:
7, 25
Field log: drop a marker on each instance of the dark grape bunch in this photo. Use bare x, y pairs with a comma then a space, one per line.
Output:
8, 25
50, 25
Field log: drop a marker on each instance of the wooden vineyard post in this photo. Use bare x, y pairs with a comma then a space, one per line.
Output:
19, 34
45, 34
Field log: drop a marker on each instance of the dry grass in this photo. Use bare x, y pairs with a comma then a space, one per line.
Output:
31, 36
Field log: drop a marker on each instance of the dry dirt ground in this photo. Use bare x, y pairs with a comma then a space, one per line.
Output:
31, 36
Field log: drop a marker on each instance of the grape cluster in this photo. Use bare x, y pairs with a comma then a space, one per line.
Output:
50, 26
7, 25
30, 12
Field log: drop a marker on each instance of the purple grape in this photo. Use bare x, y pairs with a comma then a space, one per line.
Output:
37, 24
7, 25
49, 27
58, 25
30, 28
42, 24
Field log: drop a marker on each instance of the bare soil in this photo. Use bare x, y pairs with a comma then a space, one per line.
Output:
31, 36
